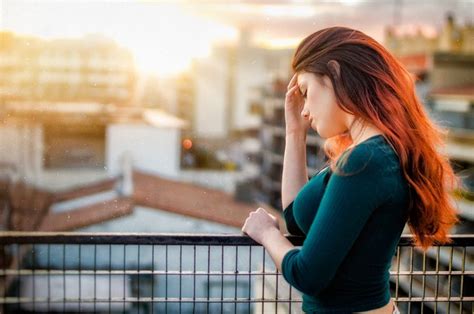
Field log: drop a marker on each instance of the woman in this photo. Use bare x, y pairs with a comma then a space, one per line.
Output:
384, 170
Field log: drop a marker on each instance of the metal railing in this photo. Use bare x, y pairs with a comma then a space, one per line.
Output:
201, 273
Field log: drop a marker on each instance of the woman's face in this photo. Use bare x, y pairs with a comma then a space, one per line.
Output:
320, 106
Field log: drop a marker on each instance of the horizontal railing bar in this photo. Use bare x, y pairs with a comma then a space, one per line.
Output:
14, 237
144, 299
434, 299
130, 238
41, 272
206, 300
74, 272
431, 272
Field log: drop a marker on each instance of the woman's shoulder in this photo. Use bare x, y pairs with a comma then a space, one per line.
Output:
375, 154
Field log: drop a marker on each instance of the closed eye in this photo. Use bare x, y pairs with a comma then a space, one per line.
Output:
301, 92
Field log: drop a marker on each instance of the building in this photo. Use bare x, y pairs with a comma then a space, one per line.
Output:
91, 69
415, 50
56, 145
456, 38
221, 99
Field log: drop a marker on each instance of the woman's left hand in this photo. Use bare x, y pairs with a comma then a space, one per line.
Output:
258, 223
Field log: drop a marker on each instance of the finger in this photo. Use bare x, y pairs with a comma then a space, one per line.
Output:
292, 90
291, 81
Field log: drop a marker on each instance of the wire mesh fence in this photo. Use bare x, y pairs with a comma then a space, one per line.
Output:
195, 273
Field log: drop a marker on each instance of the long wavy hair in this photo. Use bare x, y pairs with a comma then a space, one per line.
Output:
370, 83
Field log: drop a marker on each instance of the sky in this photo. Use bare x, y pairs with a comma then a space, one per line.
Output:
165, 35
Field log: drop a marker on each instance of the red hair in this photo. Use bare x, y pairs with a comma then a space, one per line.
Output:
370, 83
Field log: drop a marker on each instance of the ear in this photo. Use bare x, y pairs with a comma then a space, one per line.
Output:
334, 68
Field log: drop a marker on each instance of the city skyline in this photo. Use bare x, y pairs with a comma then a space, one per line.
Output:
158, 32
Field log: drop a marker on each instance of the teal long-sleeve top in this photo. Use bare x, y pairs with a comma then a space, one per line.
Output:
352, 223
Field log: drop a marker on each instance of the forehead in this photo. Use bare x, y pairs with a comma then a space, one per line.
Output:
308, 78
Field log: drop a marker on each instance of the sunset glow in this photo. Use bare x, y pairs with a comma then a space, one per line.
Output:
162, 38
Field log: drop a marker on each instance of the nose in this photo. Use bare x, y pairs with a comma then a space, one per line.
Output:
305, 113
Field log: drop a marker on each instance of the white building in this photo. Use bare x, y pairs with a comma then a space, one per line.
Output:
57, 146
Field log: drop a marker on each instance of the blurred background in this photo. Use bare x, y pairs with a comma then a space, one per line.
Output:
106, 104
167, 116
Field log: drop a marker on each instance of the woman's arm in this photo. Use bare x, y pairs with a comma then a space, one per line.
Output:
295, 174
277, 245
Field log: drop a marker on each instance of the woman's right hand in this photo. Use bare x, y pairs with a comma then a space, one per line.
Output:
294, 103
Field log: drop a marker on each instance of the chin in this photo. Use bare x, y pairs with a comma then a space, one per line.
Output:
320, 133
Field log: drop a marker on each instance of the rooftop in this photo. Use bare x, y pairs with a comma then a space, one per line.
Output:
31, 207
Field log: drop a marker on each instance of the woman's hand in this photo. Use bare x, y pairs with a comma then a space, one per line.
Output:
258, 223
294, 103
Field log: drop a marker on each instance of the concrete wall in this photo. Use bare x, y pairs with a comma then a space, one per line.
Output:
211, 108
154, 150
249, 72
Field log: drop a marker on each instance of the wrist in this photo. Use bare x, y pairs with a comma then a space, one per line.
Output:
296, 134
270, 235
295, 129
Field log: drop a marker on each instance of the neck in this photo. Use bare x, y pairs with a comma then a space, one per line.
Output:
360, 131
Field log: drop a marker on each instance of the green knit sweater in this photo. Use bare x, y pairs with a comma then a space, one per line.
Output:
352, 224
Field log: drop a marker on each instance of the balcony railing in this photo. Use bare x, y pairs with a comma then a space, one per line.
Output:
200, 273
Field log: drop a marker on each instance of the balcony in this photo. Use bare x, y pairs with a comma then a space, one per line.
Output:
201, 273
